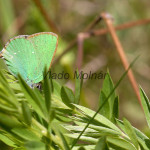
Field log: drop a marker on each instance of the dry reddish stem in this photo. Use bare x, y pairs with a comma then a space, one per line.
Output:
80, 42
45, 15
85, 35
119, 27
119, 48
80, 50
74, 41
102, 31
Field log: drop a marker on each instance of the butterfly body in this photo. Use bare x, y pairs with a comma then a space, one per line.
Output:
28, 55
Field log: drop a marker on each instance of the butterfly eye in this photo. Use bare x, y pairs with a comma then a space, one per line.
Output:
39, 86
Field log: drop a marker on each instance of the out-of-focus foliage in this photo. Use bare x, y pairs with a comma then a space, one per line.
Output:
71, 17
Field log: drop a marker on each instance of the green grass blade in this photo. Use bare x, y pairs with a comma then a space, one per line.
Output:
26, 134
105, 111
67, 96
146, 105
34, 145
47, 91
7, 99
131, 133
7, 141
102, 144
118, 143
7, 109
99, 119
107, 88
66, 146
8, 121
115, 113
78, 86
26, 113
7, 90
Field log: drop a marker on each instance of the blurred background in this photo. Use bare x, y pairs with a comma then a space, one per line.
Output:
68, 18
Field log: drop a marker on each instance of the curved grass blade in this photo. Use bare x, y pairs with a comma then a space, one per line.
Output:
67, 96
66, 146
6, 140
26, 113
78, 86
34, 145
146, 105
131, 133
108, 86
102, 144
47, 91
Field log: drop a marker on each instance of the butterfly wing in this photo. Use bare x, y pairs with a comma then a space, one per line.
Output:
28, 55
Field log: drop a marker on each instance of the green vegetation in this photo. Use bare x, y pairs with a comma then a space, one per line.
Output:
49, 119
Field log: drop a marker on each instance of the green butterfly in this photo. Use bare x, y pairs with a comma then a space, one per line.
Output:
28, 55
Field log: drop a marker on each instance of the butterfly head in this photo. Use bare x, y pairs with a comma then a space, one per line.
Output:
36, 85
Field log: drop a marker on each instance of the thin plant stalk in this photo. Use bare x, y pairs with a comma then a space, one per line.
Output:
108, 20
